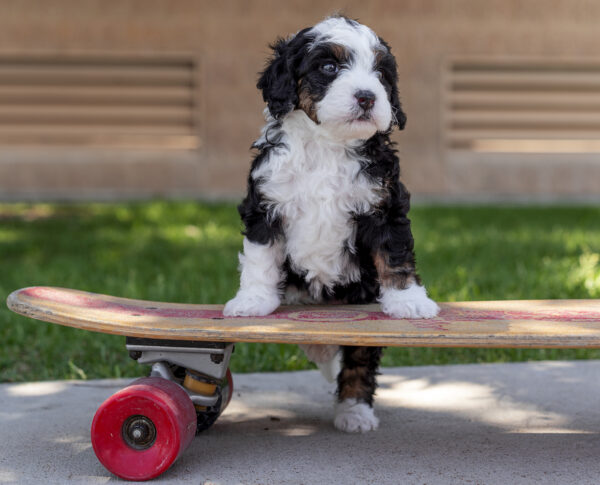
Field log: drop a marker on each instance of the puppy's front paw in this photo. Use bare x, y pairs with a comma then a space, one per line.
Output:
352, 416
251, 304
412, 302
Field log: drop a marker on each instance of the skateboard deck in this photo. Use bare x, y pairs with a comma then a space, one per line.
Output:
533, 324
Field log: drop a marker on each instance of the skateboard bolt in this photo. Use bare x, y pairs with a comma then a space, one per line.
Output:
135, 354
139, 432
216, 358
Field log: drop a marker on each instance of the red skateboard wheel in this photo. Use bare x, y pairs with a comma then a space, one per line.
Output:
141, 430
229, 378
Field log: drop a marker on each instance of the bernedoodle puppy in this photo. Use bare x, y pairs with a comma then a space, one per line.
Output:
325, 214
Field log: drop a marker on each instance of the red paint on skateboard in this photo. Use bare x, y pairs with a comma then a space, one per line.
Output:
440, 322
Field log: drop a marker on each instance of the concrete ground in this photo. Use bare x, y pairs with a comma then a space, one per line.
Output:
477, 424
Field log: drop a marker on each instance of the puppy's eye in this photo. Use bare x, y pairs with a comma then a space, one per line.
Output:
330, 68
379, 74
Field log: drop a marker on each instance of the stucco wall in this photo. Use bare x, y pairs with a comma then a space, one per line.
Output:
230, 40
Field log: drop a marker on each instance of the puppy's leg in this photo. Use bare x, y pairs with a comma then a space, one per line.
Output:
387, 232
401, 294
326, 357
356, 388
261, 275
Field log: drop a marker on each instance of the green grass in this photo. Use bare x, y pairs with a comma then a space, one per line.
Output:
186, 252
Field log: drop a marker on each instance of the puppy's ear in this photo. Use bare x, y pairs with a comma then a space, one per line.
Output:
278, 81
399, 116
390, 70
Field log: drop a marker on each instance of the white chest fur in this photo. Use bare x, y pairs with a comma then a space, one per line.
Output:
315, 185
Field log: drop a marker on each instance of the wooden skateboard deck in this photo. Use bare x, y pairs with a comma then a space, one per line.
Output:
541, 323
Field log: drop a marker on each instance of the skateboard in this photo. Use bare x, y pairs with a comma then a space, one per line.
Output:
140, 431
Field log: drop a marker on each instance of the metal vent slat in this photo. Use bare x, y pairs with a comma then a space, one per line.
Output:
529, 81
468, 136
100, 128
488, 104
94, 114
502, 101
146, 95
83, 100
95, 76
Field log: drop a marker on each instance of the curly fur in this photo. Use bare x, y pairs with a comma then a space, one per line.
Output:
326, 216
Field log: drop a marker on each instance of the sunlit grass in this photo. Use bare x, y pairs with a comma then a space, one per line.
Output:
187, 252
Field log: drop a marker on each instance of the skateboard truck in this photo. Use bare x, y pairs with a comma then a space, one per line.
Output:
206, 366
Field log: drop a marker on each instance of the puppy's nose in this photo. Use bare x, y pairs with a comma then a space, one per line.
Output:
365, 98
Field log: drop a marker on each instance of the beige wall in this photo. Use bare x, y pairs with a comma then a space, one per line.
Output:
230, 38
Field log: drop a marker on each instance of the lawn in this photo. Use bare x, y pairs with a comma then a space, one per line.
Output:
186, 252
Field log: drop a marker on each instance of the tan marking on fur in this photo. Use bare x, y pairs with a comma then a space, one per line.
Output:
340, 53
306, 103
393, 277
354, 384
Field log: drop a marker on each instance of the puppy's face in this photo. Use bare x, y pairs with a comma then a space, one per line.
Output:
340, 74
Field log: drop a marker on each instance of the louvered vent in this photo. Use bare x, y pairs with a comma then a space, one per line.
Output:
110, 101
522, 106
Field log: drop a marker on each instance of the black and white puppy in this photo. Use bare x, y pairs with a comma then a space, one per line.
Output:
326, 215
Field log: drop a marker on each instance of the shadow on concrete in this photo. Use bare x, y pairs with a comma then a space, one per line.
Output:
490, 423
